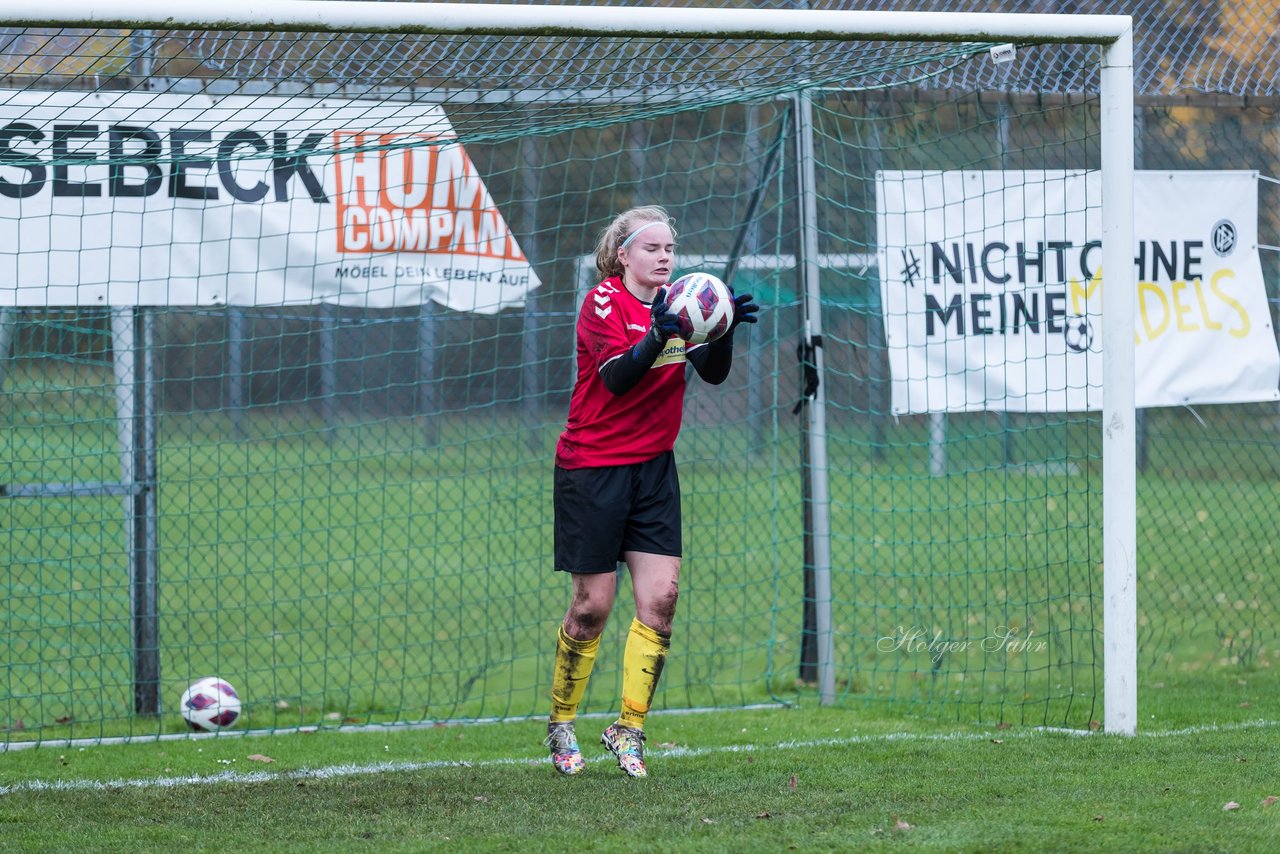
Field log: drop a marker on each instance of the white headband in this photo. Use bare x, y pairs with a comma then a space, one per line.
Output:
633, 234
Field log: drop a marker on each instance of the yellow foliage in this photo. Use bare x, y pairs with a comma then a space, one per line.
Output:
1194, 131
42, 52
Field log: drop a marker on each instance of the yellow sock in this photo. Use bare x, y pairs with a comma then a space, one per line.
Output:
574, 660
642, 662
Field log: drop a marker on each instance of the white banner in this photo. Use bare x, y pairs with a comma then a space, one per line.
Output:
162, 199
991, 284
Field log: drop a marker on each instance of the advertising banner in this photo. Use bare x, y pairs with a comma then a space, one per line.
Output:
168, 199
993, 291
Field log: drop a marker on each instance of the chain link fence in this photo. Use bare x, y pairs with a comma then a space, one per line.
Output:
491, 391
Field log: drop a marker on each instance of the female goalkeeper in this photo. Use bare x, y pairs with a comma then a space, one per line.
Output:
617, 494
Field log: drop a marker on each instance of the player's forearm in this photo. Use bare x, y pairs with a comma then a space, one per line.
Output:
714, 361
625, 372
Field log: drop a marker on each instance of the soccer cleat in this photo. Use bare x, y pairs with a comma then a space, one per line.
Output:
563, 742
627, 744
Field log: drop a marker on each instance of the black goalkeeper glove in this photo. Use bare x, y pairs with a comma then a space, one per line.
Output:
744, 310
663, 325
624, 373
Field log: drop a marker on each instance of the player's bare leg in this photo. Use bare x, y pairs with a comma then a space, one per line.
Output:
577, 641
656, 582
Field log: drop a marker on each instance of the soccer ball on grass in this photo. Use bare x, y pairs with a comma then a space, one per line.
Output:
210, 704
702, 305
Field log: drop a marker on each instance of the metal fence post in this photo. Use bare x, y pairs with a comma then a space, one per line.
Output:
133, 340
819, 496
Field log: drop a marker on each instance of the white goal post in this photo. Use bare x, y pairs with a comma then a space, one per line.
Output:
1112, 34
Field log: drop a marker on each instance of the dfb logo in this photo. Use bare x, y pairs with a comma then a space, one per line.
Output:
1223, 237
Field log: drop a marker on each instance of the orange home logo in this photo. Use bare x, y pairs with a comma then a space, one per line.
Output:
401, 192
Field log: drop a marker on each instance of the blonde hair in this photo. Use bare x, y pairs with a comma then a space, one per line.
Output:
623, 226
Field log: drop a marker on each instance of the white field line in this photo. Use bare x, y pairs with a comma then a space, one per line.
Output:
330, 772
400, 726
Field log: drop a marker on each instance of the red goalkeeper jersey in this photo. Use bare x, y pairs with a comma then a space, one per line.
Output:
605, 429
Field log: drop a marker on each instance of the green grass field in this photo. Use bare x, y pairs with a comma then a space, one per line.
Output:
808, 779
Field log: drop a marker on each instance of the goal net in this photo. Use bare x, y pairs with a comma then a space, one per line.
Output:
288, 322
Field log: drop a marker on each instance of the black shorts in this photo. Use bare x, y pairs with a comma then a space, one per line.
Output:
603, 512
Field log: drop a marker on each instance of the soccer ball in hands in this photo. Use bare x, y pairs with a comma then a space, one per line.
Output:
702, 305
210, 704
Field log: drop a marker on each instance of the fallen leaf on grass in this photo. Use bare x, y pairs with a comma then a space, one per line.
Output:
64, 720
1098, 817
1004, 725
1095, 725
1269, 800
258, 757
792, 784
900, 825
1230, 805
764, 815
